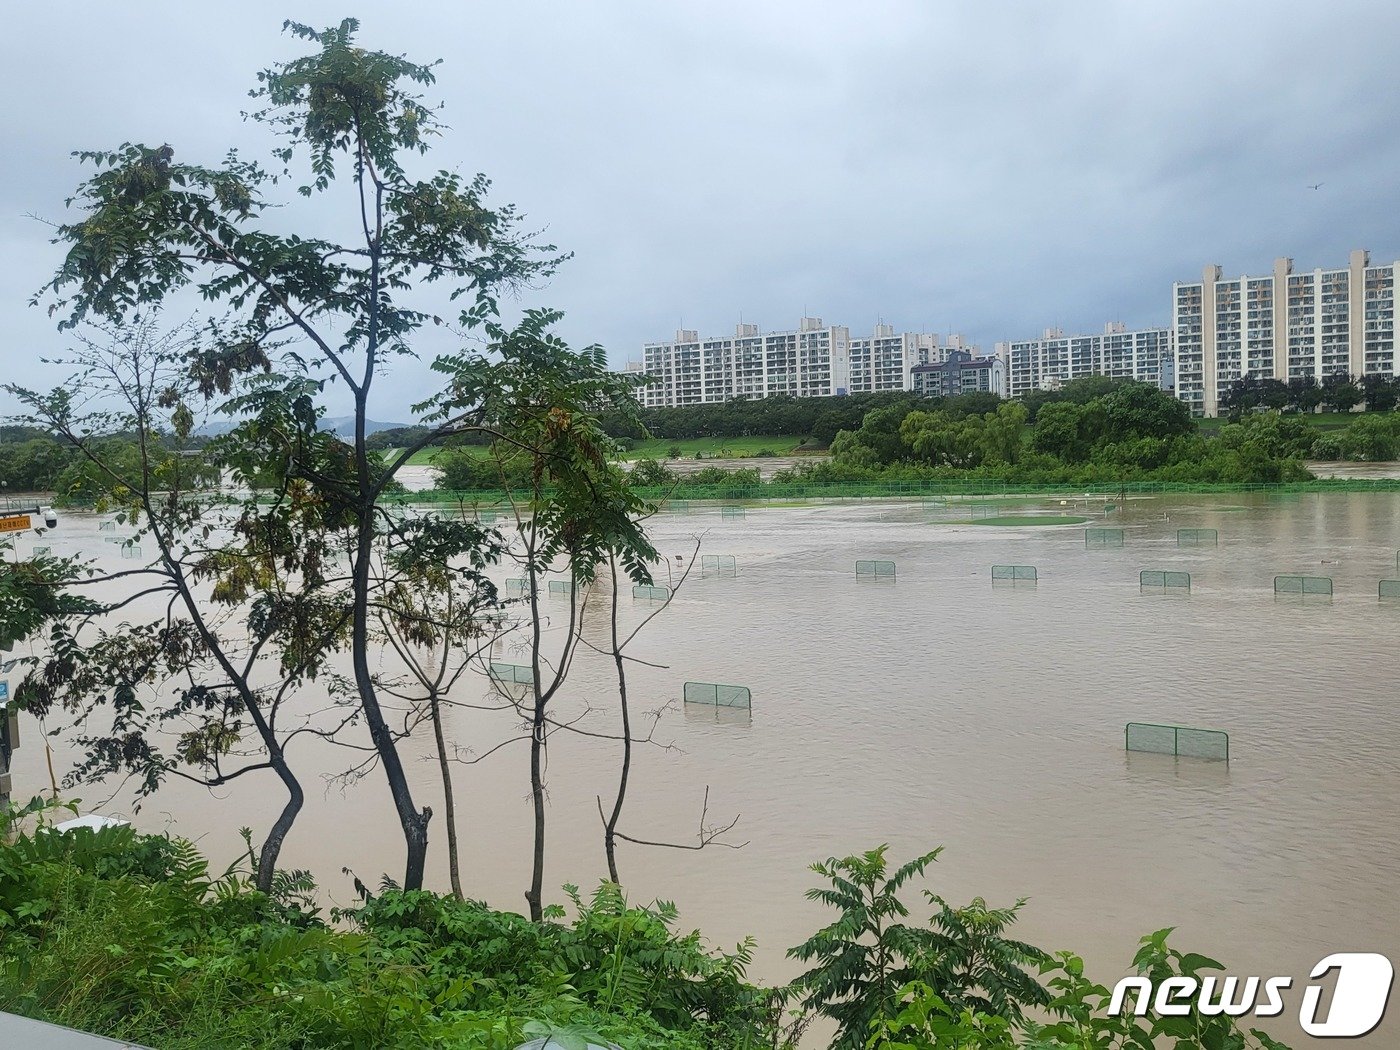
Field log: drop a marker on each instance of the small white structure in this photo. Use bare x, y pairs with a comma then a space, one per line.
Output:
93, 821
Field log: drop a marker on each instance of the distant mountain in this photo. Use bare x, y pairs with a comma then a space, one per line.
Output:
344, 426
341, 426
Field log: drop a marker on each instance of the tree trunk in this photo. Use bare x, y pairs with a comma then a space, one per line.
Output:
534, 896
272, 847
450, 809
610, 832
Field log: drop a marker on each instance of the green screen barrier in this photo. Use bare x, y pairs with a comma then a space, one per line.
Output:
1302, 585
130, 550
517, 587
106, 526
678, 506
718, 565
513, 674
1097, 539
983, 510
38, 551
1197, 537
1177, 740
561, 586
1388, 588
1014, 572
651, 591
719, 695
1160, 580
731, 512
883, 569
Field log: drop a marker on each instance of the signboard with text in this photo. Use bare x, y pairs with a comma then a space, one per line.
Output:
17, 523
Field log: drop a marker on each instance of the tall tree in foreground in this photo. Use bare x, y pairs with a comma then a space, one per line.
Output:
338, 313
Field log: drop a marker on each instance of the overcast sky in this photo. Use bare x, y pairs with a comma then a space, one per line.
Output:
989, 168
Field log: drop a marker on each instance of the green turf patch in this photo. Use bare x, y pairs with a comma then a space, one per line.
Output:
1017, 520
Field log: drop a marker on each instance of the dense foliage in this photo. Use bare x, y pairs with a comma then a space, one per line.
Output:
1128, 432
130, 935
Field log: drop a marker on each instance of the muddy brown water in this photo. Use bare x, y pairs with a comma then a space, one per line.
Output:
940, 710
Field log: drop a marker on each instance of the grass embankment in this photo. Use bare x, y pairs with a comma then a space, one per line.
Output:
663, 448
1322, 420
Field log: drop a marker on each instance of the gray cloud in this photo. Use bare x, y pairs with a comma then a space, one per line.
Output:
989, 168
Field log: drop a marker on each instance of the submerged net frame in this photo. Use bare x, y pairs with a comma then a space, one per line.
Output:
1302, 585
731, 512
678, 506
561, 586
983, 510
651, 591
110, 526
512, 674
1182, 741
1166, 580
42, 550
718, 695
1097, 539
719, 564
1387, 588
882, 569
517, 587
1198, 537
1014, 573
130, 550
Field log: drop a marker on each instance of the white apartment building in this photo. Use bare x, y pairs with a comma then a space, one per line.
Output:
1283, 326
1055, 358
815, 360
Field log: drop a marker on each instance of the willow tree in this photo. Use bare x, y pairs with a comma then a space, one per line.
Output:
340, 312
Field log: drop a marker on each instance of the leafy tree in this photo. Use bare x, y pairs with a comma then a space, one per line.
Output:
1374, 438
649, 473
341, 313
866, 959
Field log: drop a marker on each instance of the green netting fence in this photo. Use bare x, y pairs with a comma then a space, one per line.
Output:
561, 586
513, 674
118, 539
517, 587
106, 526
1177, 740
983, 510
1387, 589
1197, 537
731, 512
1098, 539
882, 569
1164, 580
651, 591
1017, 573
678, 506
38, 551
719, 695
130, 550
1302, 585
718, 565
895, 489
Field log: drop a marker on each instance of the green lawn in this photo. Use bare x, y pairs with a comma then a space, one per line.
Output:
1016, 521
1321, 420
660, 448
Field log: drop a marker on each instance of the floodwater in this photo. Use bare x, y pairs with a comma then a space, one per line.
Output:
937, 709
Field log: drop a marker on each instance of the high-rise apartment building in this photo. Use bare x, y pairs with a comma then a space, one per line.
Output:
815, 360
960, 373
1283, 325
1055, 358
